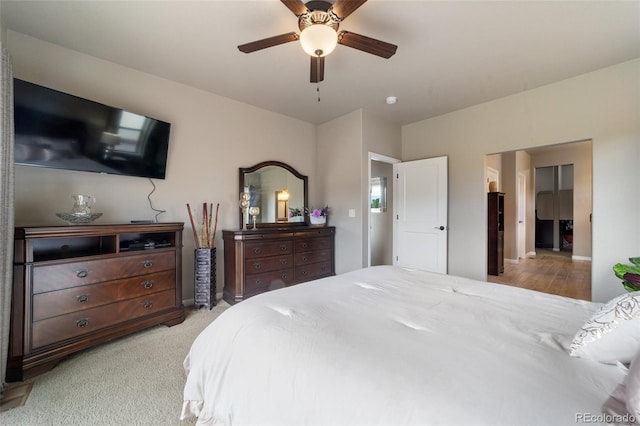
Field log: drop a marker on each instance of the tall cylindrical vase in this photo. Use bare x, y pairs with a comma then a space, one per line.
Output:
204, 276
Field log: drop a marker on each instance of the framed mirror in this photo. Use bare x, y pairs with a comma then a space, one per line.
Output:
278, 190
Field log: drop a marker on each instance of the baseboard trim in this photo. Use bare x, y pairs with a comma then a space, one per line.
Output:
512, 261
581, 258
531, 254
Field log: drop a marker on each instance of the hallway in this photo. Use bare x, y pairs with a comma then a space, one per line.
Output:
549, 272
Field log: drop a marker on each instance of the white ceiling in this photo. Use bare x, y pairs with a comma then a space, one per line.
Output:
451, 54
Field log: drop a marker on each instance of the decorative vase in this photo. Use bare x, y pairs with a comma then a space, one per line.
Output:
318, 220
296, 219
204, 277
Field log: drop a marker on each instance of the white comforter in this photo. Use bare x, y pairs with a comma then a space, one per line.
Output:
391, 346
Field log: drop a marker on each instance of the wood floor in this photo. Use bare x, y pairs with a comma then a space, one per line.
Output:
549, 272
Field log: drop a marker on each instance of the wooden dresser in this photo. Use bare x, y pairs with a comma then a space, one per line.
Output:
78, 286
260, 260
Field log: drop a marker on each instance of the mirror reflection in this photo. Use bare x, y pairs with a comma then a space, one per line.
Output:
277, 190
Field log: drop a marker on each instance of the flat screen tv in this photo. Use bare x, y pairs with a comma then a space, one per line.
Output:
62, 131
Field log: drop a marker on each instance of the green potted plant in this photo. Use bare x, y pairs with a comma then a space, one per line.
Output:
629, 274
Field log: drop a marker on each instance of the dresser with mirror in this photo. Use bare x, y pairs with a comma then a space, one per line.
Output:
275, 246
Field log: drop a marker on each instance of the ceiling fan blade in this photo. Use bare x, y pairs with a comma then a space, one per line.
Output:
317, 69
367, 44
268, 42
344, 8
296, 6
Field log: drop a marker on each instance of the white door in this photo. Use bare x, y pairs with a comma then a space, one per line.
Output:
420, 209
521, 230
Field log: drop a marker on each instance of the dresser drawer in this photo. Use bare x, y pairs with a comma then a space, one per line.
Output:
66, 275
64, 327
268, 281
308, 244
266, 264
314, 270
308, 257
264, 249
80, 298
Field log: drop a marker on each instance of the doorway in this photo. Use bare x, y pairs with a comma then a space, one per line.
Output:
566, 252
380, 209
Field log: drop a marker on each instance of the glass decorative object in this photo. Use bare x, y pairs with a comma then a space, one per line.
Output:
245, 202
254, 212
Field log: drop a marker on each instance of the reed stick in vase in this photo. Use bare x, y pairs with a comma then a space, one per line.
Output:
193, 227
215, 226
203, 234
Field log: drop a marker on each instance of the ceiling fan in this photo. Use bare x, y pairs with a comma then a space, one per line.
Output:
318, 22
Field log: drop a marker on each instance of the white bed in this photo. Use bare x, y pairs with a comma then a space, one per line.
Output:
391, 346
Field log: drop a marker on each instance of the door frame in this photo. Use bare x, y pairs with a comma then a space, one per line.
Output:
521, 213
372, 156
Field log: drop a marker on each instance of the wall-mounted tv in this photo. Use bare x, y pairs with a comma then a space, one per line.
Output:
62, 131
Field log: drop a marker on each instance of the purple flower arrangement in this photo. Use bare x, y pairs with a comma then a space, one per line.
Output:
318, 212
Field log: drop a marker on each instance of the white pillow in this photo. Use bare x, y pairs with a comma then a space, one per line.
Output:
632, 392
612, 333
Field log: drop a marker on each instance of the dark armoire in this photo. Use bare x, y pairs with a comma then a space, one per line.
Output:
495, 241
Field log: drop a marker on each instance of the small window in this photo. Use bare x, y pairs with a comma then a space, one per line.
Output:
378, 193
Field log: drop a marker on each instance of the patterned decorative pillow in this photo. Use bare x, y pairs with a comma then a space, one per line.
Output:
612, 333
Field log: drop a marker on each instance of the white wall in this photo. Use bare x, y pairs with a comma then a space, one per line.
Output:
603, 106
339, 161
381, 137
343, 178
211, 137
509, 181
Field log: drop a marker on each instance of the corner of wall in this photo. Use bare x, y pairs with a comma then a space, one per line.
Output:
3, 31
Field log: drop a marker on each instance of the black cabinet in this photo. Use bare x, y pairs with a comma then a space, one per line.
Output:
495, 241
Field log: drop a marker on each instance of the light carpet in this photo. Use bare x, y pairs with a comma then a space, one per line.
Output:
135, 380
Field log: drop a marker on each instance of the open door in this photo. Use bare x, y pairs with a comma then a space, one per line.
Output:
421, 216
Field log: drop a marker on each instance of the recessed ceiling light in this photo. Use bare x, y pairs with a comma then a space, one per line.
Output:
391, 100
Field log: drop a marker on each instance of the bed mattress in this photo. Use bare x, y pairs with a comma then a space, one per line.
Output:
390, 346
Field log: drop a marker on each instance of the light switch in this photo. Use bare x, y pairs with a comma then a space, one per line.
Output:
352, 212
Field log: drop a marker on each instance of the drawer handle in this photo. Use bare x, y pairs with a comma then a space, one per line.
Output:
283, 261
258, 281
148, 304
284, 276
82, 273
82, 298
257, 265
147, 284
82, 322
283, 248
304, 245
304, 258
147, 263
257, 250
304, 272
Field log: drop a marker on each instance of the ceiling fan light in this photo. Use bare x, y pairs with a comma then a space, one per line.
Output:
318, 39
